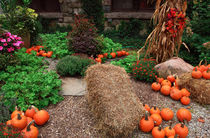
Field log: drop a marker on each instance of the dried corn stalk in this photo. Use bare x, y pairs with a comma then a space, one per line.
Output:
165, 40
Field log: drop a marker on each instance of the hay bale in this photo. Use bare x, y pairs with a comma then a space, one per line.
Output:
199, 88
174, 65
112, 100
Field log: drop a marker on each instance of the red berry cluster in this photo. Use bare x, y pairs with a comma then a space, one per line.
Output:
175, 21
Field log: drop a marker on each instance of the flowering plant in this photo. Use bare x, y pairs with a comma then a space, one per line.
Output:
9, 43
144, 70
175, 21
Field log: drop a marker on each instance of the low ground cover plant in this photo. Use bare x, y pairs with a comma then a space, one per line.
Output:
73, 65
30, 83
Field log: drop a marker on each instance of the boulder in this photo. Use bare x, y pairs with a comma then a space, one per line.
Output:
172, 66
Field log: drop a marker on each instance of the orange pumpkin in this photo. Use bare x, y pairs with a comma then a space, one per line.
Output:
169, 131
166, 82
127, 54
171, 78
157, 119
181, 130
41, 117
113, 54
105, 54
206, 74
30, 112
98, 60
185, 92
146, 123
100, 56
157, 132
17, 111
29, 119
30, 131
123, 52
146, 107
154, 110
156, 86
159, 80
183, 114
165, 90
202, 68
119, 53
175, 94
167, 114
19, 121
185, 100
49, 54
196, 74
9, 123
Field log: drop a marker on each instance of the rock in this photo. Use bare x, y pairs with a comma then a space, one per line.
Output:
174, 65
73, 86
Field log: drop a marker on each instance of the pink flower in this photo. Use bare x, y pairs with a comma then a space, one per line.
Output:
8, 40
3, 40
1, 47
18, 38
18, 47
9, 50
8, 34
5, 44
12, 37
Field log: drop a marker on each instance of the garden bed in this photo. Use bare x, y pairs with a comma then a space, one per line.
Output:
72, 118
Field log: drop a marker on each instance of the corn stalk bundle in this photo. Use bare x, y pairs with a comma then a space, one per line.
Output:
165, 40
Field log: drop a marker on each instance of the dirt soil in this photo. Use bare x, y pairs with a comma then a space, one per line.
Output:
71, 118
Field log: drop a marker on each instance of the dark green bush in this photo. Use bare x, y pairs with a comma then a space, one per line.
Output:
144, 70
7, 60
73, 65
94, 11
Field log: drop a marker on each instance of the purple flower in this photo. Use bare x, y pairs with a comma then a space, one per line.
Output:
8, 40
3, 40
1, 47
5, 44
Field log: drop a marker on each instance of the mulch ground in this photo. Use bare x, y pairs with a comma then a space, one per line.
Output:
71, 118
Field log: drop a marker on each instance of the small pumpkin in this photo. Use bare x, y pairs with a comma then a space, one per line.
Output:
105, 55
154, 110
123, 52
113, 54
100, 56
9, 123
175, 94
146, 107
202, 68
98, 60
159, 80
169, 131
185, 92
171, 78
119, 53
30, 131
165, 90
166, 82
181, 130
19, 121
196, 74
146, 123
157, 119
156, 86
126, 53
17, 111
206, 74
167, 114
183, 114
157, 132
185, 100
41, 117
30, 112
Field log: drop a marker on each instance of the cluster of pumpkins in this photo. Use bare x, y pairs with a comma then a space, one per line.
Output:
166, 88
201, 71
24, 122
152, 122
39, 51
111, 55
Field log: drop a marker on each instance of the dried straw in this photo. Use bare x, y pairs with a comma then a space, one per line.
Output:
112, 100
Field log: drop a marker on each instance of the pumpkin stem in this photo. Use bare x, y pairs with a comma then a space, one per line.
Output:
19, 117
30, 108
146, 115
29, 126
170, 124
182, 125
34, 108
155, 107
159, 128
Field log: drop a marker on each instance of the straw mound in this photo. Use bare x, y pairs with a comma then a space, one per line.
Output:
112, 100
199, 88
174, 65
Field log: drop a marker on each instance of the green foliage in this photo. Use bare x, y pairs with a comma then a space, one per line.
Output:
126, 62
108, 45
144, 70
7, 60
94, 11
30, 83
73, 65
57, 42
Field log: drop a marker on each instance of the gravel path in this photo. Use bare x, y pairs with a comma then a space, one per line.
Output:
72, 119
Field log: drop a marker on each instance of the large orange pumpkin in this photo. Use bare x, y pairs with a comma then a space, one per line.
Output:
183, 114
157, 132
181, 130
166, 82
167, 114
196, 74
185, 100
30, 131
154, 110
19, 121
175, 94
165, 89
206, 74
146, 124
185, 92
156, 86
157, 119
41, 117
